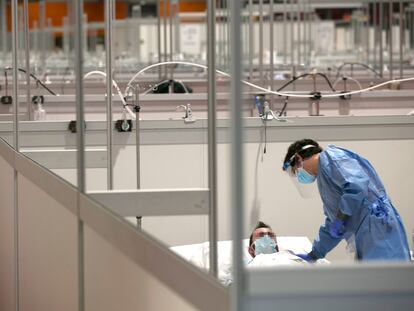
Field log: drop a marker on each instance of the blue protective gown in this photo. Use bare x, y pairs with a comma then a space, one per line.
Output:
348, 183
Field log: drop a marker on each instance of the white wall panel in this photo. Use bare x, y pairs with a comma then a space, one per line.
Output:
48, 251
113, 282
7, 279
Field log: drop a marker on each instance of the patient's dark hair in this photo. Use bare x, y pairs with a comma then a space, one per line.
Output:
297, 148
259, 225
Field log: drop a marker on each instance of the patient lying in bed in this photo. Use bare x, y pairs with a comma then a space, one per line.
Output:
264, 249
281, 254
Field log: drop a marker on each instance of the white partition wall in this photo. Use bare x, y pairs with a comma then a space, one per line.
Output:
7, 262
114, 282
48, 251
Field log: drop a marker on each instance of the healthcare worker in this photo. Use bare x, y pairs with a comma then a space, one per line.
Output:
355, 203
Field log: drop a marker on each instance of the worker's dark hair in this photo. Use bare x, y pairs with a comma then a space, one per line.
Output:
259, 225
304, 147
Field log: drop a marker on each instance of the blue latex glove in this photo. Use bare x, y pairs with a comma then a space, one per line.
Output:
306, 257
337, 228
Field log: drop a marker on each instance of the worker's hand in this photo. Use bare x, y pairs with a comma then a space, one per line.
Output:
337, 228
308, 257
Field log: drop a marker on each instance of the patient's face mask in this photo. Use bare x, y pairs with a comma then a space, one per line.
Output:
265, 245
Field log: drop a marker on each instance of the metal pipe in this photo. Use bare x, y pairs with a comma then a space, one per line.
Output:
78, 31
261, 43
402, 34
305, 31
165, 37
177, 27
171, 39
138, 34
14, 13
381, 43
284, 34
212, 141
35, 31
108, 57
159, 37
227, 58
15, 66
85, 33
390, 39
138, 136
299, 23
367, 26
292, 37
4, 33
251, 45
271, 32
375, 23
20, 35
237, 202
138, 146
66, 36
27, 56
42, 28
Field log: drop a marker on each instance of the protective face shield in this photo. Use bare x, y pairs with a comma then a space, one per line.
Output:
303, 181
265, 245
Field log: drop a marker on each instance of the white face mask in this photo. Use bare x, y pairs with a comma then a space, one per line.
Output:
265, 245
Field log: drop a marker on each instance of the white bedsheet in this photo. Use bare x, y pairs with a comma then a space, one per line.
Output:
198, 254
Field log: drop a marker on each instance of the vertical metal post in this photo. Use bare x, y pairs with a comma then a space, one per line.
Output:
177, 48
35, 31
237, 193
171, 39
305, 31
310, 21
14, 17
42, 26
212, 143
85, 33
227, 58
251, 45
108, 56
138, 146
402, 36
284, 32
375, 24
390, 39
292, 36
381, 43
66, 40
272, 47
78, 30
15, 65
299, 23
4, 33
367, 27
261, 43
138, 34
20, 36
27, 56
159, 37
137, 136
165, 37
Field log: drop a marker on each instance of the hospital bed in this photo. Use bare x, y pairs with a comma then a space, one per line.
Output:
198, 254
